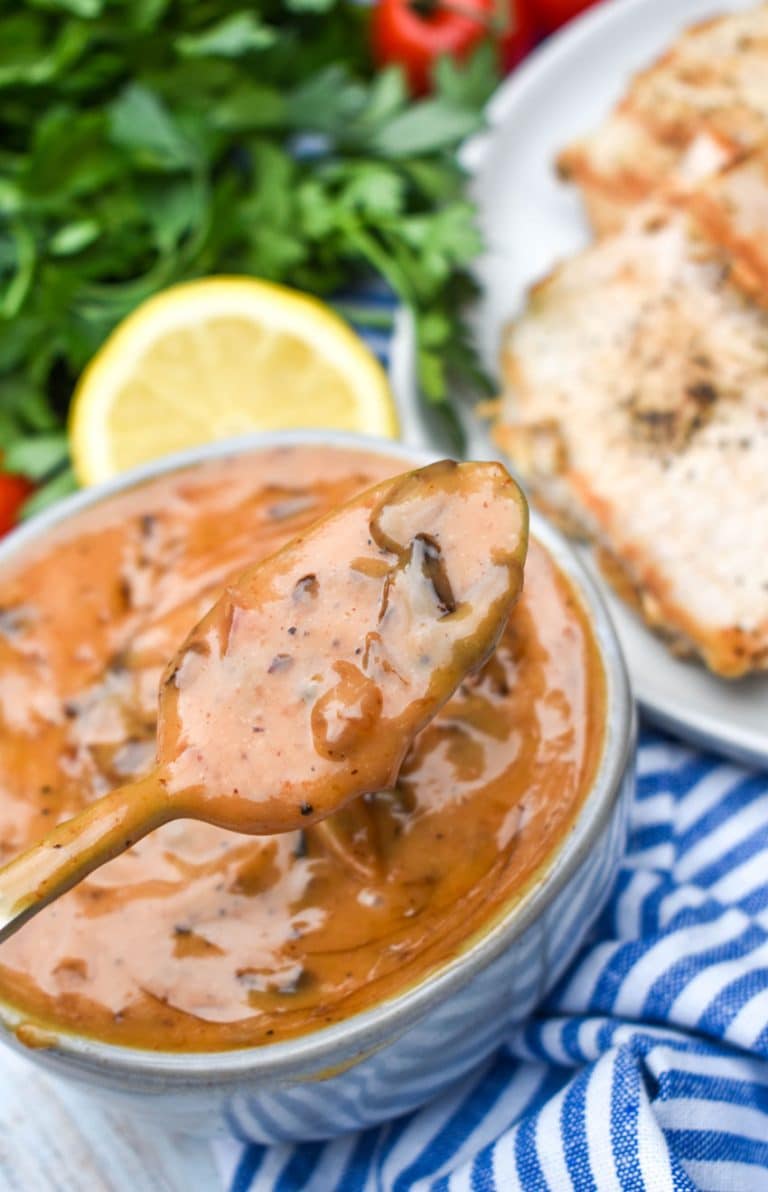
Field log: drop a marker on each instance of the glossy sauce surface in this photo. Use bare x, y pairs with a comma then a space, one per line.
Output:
200, 938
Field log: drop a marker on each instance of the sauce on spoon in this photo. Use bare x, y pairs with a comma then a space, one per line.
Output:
385, 604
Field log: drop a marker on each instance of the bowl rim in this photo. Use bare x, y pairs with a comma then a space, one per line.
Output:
311, 1054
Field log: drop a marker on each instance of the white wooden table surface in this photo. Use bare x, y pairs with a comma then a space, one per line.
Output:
52, 1141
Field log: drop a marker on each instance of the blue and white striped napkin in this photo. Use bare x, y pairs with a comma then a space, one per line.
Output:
647, 1068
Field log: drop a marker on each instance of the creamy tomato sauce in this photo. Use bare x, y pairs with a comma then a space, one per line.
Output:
198, 938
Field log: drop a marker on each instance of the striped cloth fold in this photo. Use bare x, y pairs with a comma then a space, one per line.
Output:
647, 1068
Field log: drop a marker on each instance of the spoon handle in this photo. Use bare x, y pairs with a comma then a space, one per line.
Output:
81, 844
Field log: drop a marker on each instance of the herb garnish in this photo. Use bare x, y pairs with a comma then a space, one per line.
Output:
143, 142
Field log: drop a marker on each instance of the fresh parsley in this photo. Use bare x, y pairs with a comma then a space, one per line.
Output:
143, 142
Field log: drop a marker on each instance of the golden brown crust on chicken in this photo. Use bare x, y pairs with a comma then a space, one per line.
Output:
698, 108
637, 411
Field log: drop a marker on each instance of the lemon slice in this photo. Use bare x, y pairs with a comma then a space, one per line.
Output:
213, 358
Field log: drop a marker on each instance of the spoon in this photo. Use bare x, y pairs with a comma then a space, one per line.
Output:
304, 685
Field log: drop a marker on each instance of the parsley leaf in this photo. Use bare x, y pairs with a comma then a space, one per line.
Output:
234, 35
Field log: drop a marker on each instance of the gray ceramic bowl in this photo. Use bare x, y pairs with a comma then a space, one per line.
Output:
396, 1055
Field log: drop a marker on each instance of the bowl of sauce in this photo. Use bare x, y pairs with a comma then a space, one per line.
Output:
300, 985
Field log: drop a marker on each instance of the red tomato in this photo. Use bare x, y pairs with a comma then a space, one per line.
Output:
14, 491
414, 33
551, 14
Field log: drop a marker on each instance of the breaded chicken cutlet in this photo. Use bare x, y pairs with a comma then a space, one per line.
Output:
698, 108
637, 412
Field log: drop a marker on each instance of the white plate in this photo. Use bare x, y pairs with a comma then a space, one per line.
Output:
530, 220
